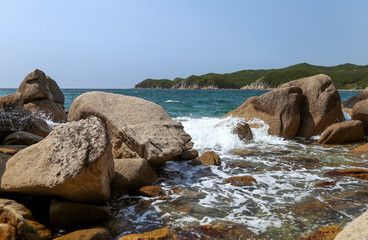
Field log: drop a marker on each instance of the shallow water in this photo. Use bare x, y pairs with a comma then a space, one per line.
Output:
283, 204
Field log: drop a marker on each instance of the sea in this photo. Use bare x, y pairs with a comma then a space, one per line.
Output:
284, 203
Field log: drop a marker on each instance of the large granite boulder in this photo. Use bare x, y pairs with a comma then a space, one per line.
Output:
131, 174
19, 217
74, 161
320, 105
280, 109
343, 132
41, 93
138, 128
357, 229
350, 103
360, 112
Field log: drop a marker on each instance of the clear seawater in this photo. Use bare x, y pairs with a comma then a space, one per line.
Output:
283, 204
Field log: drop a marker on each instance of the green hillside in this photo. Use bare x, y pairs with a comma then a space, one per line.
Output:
345, 76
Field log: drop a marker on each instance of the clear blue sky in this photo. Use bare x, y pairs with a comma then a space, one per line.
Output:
116, 44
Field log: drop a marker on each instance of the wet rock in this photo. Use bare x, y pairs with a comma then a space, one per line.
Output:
152, 191
74, 162
159, 234
361, 150
243, 131
360, 112
70, 214
279, 108
131, 174
21, 219
8, 151
7, 232
243, 152
343, 132
138, 128
325, 233
189, 155
359, 173
245, 165
357, 229
208, 158
41, 93
98, 233
320, 105
324, 184
22, 138
241, 181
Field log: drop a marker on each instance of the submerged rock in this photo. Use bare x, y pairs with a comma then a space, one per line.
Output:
159, 234
152, 191
357, 229
320, 104
343, 132
359, 173
208, 158
280, 109
138, 128
241, 181
360, 112
325, 233
74, 162
98, 233
363, 149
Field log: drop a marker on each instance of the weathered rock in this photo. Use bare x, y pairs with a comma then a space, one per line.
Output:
37, 85
152, 191
131, 174
69, 214
22, 138
320, 105
7, 232
189, 155
209, 158
361, 150
243, 131
52, 110
325, 233
98, 233
343, 132
241, 181
138, 128
357, 229
360, 112
159, 234
324, 184
11, 149
11, 102
280, 109
359, 173
21, 219
350, 103
3, 160
74, 162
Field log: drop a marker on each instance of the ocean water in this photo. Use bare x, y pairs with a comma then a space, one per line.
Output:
283, 204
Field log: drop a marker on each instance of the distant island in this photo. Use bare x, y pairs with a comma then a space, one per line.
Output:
345, 76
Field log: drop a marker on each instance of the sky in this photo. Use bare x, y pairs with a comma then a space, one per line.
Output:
118, 43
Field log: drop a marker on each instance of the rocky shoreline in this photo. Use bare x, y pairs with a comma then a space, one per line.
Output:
108, 145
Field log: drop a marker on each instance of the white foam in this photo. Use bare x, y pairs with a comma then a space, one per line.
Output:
172, 101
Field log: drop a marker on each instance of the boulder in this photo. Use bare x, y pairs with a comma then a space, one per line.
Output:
52, 110
19, 217
98, 233
11, 102
325, 233
350, 103
209, 158
241, 181
3, 160
70, 214
138, 128
343, 132
42, 94
152, 191
243, 131
320, 105
7, 232
360, 112
361, 150
131, 174
279, 109
357, 229
22, 138
74, 162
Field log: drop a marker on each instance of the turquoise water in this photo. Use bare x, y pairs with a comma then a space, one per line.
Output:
182, 103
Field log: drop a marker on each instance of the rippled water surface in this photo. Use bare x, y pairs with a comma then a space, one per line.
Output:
283, 204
